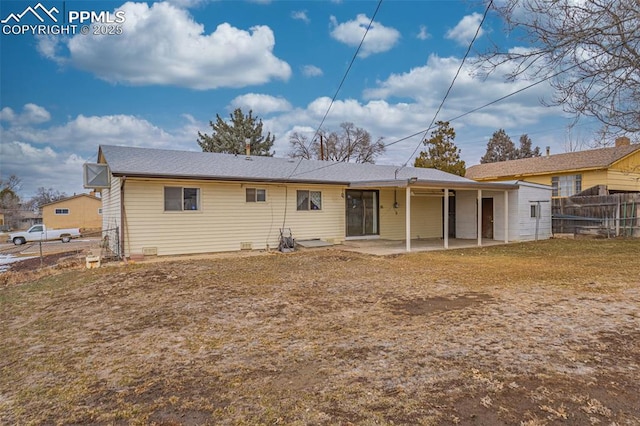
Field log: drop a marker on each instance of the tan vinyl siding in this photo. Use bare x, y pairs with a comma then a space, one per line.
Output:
623, 181
111, 205
392, 219
628, 164
226, 219
426, 217
82, 213
592, 178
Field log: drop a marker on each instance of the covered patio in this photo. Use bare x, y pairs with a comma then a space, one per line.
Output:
474, 217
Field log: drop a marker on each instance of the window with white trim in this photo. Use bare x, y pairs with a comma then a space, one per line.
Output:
256, 195
309, 200
534, 210
100, 210
62, 211
566, 185
177, 198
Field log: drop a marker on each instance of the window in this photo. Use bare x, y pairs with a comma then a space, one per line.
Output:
100, 210
256, 195
62, 211
37, 229
181, 199
309, 200
566, 186
534, 210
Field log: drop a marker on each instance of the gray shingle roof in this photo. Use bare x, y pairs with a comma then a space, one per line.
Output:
129, 161
591, 159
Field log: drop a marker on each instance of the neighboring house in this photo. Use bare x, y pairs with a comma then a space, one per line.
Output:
26, 219
80, 211
616, 168
177, 202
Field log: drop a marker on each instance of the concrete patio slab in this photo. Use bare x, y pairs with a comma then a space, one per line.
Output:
380, 247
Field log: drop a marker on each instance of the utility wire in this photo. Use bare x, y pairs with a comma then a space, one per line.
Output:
344, 77
478, 108
455, 77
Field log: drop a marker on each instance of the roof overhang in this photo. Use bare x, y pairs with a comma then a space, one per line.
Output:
392, 183
226, 178
434, 184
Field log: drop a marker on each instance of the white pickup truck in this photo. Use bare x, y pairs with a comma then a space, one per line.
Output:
41, 233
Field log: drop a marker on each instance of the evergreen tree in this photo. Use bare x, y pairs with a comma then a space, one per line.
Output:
442, 153
231, 137
525, 150
499, 148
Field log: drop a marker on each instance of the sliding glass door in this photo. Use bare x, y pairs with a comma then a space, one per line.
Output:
362, 213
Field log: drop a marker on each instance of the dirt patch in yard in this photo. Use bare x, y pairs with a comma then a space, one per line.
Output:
533, 334
439, 303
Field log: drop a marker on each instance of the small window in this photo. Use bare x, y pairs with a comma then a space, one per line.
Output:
100, 210
256, 195
534, 210
181, 199
62, 211
309, 200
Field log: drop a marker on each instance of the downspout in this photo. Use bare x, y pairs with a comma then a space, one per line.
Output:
122, 217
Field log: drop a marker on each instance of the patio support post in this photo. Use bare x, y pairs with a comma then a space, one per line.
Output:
446, 218
479, 217
506, 216
408, 218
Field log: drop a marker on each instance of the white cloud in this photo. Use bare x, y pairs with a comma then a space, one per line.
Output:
311, 71
260, 104
187, 4
161, 44
301, 15
7, 114
31, 114
379, 38
53, 156
466, 29
423, 34
42, 167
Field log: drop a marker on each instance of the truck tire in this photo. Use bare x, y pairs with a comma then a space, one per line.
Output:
65, 239
19, 241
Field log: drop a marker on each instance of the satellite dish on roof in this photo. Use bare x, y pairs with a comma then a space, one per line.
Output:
96, 176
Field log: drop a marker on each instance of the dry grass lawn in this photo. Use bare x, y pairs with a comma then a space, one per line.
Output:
526, 334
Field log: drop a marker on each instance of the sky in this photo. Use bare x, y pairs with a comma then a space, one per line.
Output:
154, 74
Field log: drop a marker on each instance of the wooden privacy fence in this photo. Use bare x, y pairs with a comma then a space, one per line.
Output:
604, 215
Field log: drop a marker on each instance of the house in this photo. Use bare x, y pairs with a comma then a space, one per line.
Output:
25, 219
616, 168
79, 211
168, 202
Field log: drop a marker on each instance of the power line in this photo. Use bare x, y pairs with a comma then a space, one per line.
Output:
344, 77
446, 95
478, 108
472, 111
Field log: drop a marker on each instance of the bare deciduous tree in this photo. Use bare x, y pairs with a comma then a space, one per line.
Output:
595, 42
352, 144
